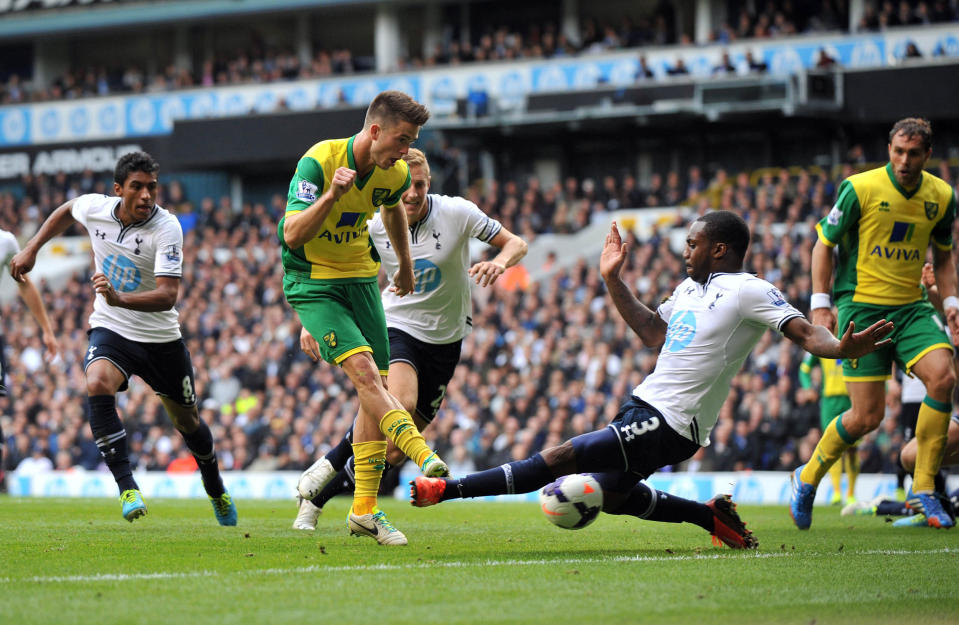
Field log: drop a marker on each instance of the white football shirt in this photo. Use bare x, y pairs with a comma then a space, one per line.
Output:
711, 330
132, 257
439, 309
8, 248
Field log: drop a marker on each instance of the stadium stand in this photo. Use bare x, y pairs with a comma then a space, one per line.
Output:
542, 364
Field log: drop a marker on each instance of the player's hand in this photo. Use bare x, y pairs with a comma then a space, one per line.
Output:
403, 282
104, 287
309, 345
824, 317
22, 263
928, 278
855, 344
342, 181
53, 347
486, 272
613, 258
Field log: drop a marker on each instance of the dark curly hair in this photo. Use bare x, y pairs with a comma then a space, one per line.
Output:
131, 162
914, 127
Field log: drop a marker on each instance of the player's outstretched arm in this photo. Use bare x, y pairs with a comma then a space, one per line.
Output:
512, 250
820, 341
647, 325
55, 225
31, 297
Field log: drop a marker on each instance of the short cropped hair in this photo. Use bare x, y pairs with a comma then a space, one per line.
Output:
914, 127
729, 228
416, 158
131, 162
393, 106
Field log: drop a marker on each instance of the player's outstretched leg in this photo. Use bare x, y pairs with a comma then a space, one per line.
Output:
727, 526
800, 504
717, 516
377, 527
133, 506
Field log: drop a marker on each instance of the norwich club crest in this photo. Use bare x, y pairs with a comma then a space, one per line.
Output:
932, 209
380, 195
330, 339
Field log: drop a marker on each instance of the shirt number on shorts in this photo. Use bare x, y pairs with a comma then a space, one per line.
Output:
188, 395
435, 404
633, 430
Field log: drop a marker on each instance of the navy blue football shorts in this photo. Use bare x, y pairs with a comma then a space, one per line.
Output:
166, 367
434, 366
638, 441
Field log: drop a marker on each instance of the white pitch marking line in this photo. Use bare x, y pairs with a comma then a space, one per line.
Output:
113, 577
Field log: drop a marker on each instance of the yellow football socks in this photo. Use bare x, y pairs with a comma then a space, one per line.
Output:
852, 472
835, 440
370, 459
931, 427
399, 427
835, 476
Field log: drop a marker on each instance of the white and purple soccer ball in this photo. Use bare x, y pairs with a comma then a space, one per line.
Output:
572, 502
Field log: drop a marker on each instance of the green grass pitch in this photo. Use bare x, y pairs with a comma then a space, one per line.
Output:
69, 561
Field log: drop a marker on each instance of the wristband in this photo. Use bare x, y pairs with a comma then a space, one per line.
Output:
950, 302
820, 300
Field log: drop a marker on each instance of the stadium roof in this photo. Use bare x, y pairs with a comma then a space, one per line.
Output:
89, 17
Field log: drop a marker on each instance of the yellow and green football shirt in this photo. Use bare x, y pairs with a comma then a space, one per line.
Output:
832, 382
883, 232
341, 249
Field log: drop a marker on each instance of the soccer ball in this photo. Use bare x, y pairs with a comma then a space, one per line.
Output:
572, 502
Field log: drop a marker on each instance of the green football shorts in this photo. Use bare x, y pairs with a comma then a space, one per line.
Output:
917, 332
345, 318
831, 406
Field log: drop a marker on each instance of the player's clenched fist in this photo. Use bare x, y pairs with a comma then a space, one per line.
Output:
103, 286
342, 181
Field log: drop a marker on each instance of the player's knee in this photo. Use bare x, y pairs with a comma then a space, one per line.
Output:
943, 384
561, 459
100, 385
363, 373
860, 422
185, 419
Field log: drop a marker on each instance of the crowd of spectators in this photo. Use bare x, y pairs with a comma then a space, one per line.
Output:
543, 363
261, 62
878, 16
